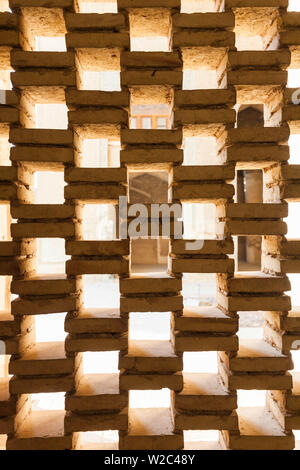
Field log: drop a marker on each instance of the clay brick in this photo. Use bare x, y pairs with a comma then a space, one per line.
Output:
94, 21
206, 319
43, 77
43, 211
42, 154
99, 320
95, 248
91, 116
150, 156
138, 284
205, 38
43, 230
97, 98
24, 59
146, 137
41, 136
40, 306
95, 192
51, 284
204, 20
96, 40
100, 266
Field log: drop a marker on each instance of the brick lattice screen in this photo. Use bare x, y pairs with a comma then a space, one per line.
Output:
199, 401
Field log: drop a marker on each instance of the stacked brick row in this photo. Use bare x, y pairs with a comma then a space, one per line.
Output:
199, 401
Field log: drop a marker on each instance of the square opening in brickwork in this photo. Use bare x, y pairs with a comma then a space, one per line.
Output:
51, 116
256, 28
248, 251
102, 81
42, 29
48, 401
4, 5
295, 291
148, 187
294, 144
99, 222
50, 327
103, 362
294, 5
150, 29
203, 67
50, 44
5, 295
100, 153
5, 147
101, 291
200, 150
201, 6
5, 73
150, 398
201, 440
199, 289
152, 116
292, 221
98, 440
98, 6
98, 69
296, 360
149, 255
50, 256
4, 363
150, 326
200, 362
294, 79
5, 221
250, 331
199, 221
251, 114
251, 398
251, 319
3, 439
48, 187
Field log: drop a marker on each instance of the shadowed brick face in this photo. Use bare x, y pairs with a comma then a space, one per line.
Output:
200, 401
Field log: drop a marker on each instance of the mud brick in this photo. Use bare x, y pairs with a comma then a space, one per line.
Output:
152, 137
203, 38
52, 155
94, 342
253, 303
43, 211
97, 392
40, 3
43, 77
206, 421
50, 284
39, 306
95, 192
100, 266
98, 248
97, 98
92, 116
98, 320
96, 422
41, 136
139, 284
206, 319
151, 156
41, 385
151, 304
208, 247
78, 40
151, 381
201, 265
148, 4
92, 21
151, 77
44, 359
43, 230
204, 20
204, 98
205, 342
151, 356
257, 282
